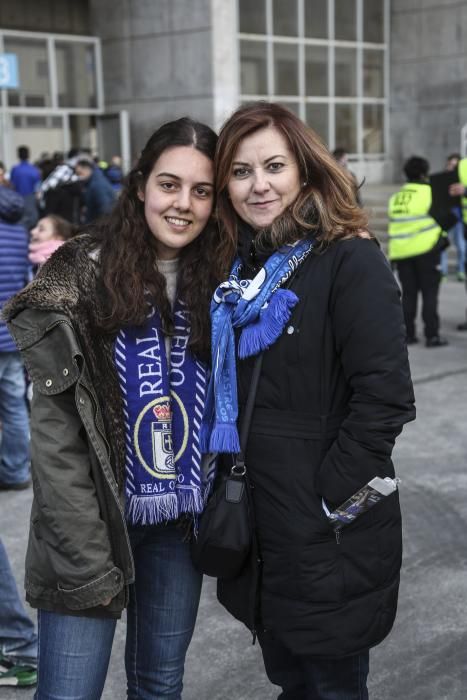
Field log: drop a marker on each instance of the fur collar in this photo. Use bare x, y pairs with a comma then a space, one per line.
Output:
59, 282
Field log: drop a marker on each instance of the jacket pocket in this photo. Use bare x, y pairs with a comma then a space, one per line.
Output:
51, 359
360, 556
320, 577
93, 593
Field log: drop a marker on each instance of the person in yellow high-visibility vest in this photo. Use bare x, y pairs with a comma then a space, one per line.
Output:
415, 244
459, 189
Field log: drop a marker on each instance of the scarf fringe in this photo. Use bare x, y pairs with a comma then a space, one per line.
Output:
190, 501
224, 438
266, 330
149, 510
153, 510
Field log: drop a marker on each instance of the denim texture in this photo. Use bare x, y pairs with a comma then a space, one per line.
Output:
74, 652
14, 447
18, 640
305, 678
456, 236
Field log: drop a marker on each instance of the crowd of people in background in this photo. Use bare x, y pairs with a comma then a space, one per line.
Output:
77, 187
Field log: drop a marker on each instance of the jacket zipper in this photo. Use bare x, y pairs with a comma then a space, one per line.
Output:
96, 409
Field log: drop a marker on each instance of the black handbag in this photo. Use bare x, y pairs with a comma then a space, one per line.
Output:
224, 539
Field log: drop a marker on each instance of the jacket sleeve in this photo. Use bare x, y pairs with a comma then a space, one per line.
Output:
70, 519
369, 333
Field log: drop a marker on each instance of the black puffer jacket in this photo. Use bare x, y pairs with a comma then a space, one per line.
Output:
334, 393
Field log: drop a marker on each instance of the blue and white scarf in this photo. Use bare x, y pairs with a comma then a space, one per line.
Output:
163, 411
261, 308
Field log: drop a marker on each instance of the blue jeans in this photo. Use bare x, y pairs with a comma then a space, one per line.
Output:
74, 652
456, 236
18, 640
14, 448
304, 678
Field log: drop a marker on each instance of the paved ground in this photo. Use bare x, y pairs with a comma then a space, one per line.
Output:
425, 656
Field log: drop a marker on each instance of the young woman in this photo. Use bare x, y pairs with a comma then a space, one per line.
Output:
47, 236
313, 291
114, 332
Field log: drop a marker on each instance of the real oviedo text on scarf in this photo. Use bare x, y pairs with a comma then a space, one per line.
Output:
163, 408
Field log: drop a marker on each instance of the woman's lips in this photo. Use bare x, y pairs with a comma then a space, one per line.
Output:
263, 205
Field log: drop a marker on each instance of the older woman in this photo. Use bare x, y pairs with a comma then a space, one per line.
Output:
312, 290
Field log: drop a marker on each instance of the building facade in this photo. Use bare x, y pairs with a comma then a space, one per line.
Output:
381, 78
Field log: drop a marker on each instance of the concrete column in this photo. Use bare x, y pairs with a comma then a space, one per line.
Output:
157, 60
225, 58
428, 79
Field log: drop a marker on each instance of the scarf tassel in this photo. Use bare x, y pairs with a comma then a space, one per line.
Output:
224, 438
266, 330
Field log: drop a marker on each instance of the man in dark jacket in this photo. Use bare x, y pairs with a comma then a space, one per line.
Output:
99, 195
14, 272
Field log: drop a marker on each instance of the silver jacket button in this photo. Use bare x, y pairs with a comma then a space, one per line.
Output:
66, 372
290, 330
48, 382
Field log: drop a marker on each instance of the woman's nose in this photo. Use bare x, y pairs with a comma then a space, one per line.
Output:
183, 199
261, 183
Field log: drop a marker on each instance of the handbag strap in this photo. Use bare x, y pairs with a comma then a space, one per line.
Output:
248, 414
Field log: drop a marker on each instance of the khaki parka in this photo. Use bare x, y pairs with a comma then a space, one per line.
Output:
79, 553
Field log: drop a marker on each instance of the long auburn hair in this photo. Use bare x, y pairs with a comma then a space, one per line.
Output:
130, 279
326, 204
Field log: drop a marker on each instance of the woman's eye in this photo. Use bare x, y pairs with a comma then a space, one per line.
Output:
202, 192
240, 172
275, 167
168, 186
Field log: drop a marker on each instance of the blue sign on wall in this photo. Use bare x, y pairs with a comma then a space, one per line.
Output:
9, 77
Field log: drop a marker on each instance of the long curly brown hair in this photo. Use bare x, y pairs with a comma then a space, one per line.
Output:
326, 204
130, 280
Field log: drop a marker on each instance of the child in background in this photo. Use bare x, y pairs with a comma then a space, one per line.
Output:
49, 234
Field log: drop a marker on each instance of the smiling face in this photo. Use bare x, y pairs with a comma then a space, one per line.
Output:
43, 231
265, 178
178, 198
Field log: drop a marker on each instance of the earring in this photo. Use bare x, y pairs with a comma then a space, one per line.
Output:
304, 184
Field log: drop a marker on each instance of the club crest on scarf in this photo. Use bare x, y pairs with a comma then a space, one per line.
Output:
163, 406
261, 309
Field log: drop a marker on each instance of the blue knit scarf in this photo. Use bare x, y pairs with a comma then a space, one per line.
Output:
163, 411
261, 308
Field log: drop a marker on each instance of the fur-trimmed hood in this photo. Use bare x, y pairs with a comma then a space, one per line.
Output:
68, 284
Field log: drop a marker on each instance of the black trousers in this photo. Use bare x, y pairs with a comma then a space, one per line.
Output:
305, 678
420, 274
